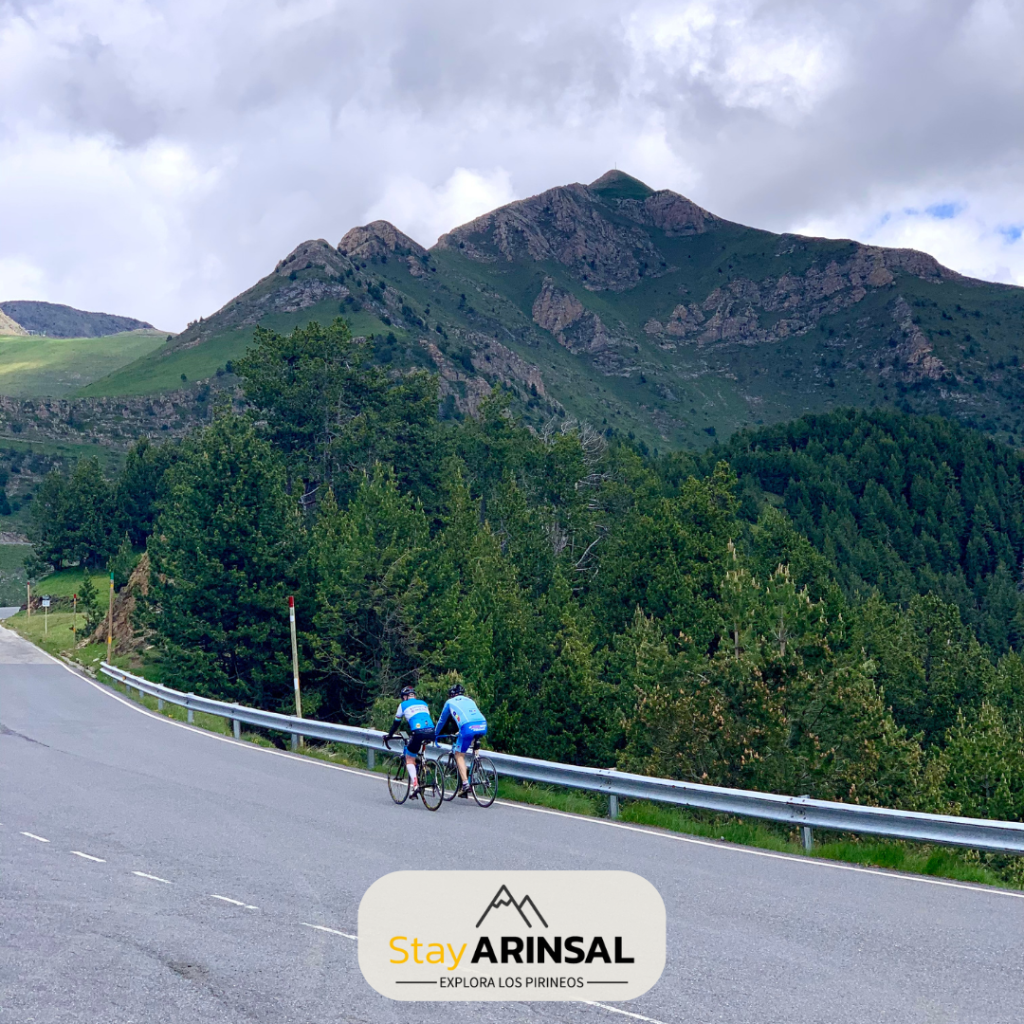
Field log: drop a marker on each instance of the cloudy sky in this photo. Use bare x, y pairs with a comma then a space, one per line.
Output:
158, 156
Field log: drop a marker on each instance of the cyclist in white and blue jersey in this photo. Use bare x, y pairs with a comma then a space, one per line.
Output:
416, 714
463, 712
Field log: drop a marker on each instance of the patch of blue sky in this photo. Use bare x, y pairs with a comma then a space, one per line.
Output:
1011, 232
879, 223
944, 211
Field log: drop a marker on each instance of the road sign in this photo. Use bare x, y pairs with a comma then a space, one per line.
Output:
46, 602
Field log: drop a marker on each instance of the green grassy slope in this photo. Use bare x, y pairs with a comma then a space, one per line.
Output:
161, 370
36, 366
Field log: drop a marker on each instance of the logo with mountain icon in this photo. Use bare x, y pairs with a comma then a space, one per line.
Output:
503, 898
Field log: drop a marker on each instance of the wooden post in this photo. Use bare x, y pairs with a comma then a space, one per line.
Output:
74, 620
110, 618
28, 600
296, 740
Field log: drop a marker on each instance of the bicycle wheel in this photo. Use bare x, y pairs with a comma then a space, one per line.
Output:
485, 781
431, 785
398, 779
451, 777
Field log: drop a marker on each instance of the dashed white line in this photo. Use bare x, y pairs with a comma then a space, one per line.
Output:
88, 856
330, 931
152, 878
237, 903
38, 839
625, 1013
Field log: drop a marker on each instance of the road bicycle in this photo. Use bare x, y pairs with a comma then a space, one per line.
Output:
481, 775
428, 774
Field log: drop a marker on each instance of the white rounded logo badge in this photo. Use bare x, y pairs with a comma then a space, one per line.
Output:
516, 935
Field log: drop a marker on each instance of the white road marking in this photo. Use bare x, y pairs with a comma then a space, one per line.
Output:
237, 903
735, 848
152, 878
39, 839
818, 862
88, 856
331, 931
625, 1013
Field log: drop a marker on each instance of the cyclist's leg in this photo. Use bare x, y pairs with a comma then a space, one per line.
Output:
412, 748
478, 735
459, 748
417, 743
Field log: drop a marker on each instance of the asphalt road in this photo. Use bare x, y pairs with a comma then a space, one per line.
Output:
122, 914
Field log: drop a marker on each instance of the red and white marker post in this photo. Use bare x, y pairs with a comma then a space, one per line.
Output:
295, 669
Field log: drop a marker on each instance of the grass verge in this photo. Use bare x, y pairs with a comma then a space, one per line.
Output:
936, 861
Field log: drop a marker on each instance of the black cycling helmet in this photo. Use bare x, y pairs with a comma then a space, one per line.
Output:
408, 691
456, 691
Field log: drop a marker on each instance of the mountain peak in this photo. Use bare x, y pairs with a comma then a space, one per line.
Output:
599, 232
618, 184
59, 321
378, 238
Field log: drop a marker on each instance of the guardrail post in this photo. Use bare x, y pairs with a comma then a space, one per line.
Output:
295, 741
613, 806
236, 728
159, 703
370, 758
190, 717
808, 837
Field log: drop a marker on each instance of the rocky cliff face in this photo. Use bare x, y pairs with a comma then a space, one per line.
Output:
602, 240
115, 421
577, 328
612, 236
378, 239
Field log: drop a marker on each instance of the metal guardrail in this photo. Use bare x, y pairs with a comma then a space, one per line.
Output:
973, 833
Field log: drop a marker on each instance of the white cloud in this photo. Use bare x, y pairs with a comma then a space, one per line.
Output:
975, 234
424, 213
156, 159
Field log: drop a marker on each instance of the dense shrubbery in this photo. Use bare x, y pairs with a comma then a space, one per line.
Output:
605, 608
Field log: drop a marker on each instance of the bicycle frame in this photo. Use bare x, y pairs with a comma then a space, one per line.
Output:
471, 762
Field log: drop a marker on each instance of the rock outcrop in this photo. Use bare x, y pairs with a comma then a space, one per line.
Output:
575, 327
734, 313
118, 421
911, 359
127, 634
376, 239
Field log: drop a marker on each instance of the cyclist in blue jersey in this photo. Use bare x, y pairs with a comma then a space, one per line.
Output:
415, 712
462, 712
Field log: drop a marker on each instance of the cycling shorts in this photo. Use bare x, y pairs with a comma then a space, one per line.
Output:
468, 735
417, 739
